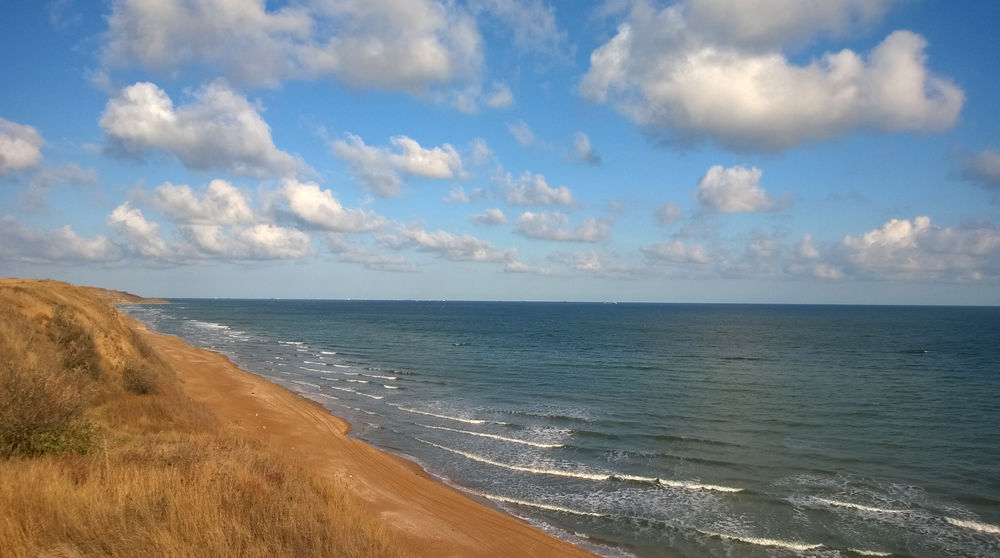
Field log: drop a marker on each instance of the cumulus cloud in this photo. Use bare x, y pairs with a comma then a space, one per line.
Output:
142, 237
62, 245
321, 209
592, 262
219, 129
917, 249
522, 132
984, 167
265, 242
531, 189
583, 151
20, 147
396, 45
220, 204
688, 72
677, 252
457, 247
555, 226
668, 214
352, 253
734, 190
489, 217
457, 194
379, 168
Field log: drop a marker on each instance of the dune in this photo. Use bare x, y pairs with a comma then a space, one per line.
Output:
393, 497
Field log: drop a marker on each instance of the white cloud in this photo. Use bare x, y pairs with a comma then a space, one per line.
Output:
555, 226
265, 242
583, 151
532, 23
772, 23
321, 209
219, 129
397, 45
592, 262
531, 189
500, 97
458, 247
916, 249
521, 132
379, 168
351, 253
457, 194
668, 214
984, 167
262, 241
806, 250
142, 237
677, 252
48, 177
220, 204
665, 72
61, 245
733, 190
489, 217
20, 147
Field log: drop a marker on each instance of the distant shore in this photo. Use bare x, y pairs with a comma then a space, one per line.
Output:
424, 516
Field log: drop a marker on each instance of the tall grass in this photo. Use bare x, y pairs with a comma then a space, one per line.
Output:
102, 453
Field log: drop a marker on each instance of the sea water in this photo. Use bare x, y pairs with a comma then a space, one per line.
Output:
661, 430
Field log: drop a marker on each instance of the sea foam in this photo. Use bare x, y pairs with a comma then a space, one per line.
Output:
493, 436
974, 525
760, 541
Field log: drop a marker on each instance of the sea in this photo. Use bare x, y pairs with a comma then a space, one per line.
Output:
660, 430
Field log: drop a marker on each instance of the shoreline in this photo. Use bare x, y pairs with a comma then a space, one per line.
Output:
429, 516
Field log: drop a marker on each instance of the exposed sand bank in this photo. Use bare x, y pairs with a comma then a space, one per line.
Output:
428, 517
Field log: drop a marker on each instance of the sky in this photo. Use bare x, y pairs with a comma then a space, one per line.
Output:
760, 151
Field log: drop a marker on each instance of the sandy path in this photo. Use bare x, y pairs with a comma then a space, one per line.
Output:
430, 518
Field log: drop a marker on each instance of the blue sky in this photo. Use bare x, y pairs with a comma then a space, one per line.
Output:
843, 151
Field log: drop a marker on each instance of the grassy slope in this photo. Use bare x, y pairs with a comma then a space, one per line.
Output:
101, 453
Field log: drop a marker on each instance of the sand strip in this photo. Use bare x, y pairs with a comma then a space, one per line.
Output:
430, 518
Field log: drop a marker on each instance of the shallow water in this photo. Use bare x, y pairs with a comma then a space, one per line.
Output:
661, 430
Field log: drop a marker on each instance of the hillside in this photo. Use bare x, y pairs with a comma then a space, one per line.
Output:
103, 454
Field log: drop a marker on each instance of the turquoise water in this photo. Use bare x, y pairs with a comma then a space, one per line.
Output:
661, 430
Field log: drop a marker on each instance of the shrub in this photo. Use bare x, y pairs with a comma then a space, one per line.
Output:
40, 413
74, 343
138, 380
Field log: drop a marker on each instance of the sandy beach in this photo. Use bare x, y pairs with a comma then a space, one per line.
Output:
428, 517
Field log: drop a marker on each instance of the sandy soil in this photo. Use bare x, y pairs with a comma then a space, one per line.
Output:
430, 518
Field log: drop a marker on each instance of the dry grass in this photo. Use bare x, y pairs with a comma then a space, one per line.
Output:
102, 454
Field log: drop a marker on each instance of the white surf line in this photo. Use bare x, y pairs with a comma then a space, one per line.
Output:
468, 421
868, 552
554, 472
581, 475
974, 525
494, 436
859, 507
687, 485
538, 505
760, 541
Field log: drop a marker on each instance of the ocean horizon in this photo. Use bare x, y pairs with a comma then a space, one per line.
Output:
660, 430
